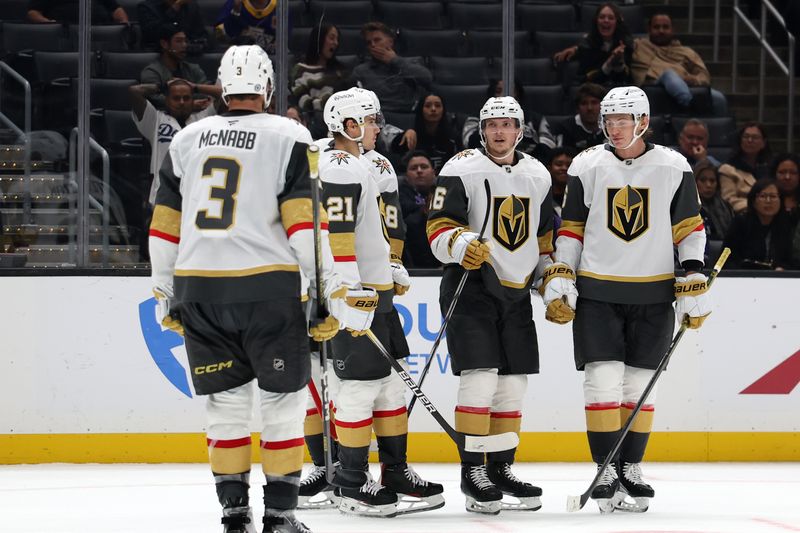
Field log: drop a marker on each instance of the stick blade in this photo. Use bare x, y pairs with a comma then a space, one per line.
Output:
491, 443
575, 503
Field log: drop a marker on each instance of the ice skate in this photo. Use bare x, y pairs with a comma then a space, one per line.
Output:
638, 492
238, 520
414, 493
371, 499
524, 496
316, 492
605, 493
482, 496
283, 521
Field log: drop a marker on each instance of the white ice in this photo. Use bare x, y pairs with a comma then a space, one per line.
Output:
690, 498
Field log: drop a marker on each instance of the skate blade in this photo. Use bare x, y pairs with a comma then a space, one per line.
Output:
411, 504
353, 507
606, 505
514, 503
637, 505
474, 506
323, 500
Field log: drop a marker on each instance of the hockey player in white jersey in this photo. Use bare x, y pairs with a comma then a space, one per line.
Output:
491, 335
370, 396
231, 230
628, 204
315, 492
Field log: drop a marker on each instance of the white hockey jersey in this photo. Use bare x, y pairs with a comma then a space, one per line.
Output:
520, 210
358, 238
624, 216
235, 197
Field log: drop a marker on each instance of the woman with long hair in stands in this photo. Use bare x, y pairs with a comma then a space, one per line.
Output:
605, 54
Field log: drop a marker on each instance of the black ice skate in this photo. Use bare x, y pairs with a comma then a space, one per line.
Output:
371, 499
283, 521
482, 495
605, 493
414, 493
527, 496
238, 520
316, 492
631, 483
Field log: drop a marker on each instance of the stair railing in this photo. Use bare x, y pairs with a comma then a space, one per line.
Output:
5, 69
104, 207
761, 35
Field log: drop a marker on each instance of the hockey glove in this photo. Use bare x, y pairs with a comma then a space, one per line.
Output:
166, 314
353, 308
400, 277
322, 330
467, 250
559, 293
693, 305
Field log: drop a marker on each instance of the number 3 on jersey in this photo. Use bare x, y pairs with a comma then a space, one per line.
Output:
222, 198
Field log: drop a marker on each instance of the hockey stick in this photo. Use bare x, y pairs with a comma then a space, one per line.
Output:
312, 153
576, 503
452, 307
470, 443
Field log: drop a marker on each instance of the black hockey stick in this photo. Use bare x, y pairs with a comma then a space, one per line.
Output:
576, 503
456, 295
470, 443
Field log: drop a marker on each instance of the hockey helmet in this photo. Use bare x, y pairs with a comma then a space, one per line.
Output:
629, 101
349, 104
246, 70
379, 118
502, 107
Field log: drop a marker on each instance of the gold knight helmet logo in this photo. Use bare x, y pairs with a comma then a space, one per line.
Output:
628, 215
510, 223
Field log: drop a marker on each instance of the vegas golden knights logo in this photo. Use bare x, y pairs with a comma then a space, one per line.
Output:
628, 214
511, 221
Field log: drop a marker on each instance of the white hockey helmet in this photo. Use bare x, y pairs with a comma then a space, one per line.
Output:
246, 70
379, 119
349, 104
502, 107
629, 101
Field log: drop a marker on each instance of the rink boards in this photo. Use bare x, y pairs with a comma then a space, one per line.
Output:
89, 376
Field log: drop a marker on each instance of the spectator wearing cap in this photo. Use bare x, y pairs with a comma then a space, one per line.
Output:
397, 81
155, 14
172, 64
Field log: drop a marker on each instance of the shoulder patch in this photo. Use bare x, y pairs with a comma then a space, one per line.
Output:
382, 164
465, 153
340, 157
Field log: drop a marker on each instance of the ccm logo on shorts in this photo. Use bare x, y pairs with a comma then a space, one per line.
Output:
210, 369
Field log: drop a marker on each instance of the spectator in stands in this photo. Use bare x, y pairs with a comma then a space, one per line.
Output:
249, 22
415, 191
583, 130
433, 132
604, 55
786, 172
560, 160
748, 163
661, 59
760, 238
318, 75
537, 139
398, 82
67, 11
171, 64
717, 213
293, 112
693, 142
155, 14
159, 127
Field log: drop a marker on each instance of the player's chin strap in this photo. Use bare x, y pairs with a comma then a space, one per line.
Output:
358, 140
635, 138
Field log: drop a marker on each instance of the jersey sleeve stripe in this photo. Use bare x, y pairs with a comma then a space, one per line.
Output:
303, 225
166, 223
298, 210
344, 258
435, 227
685, 227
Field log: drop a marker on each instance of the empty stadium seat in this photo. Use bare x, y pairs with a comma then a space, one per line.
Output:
209, 62
341, 12
490, 43
546, 99
350, 42
720, 129
545, 17
536, 71
658, 130
466, 99
550, 42
15, 10
126, 65
119, 128
403, 121
476, 16
459, 70
54, 65
416, 15
107, 37
108, 94
662, 103
427, 42
209, 10
349, 61
21, 36
298, 40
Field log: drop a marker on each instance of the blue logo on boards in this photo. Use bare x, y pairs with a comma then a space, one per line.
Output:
160, 343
